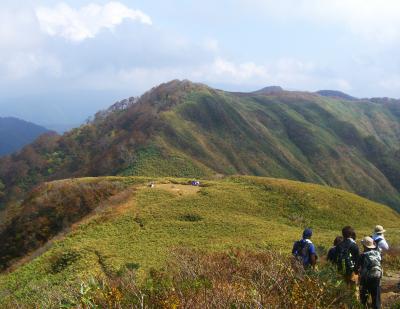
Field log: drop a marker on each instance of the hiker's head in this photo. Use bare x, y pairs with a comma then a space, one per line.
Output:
307, 233
348, 232
337, 240
379, 230
368, 243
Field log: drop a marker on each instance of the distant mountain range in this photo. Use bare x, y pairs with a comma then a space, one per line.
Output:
57, 111
16, 133
186, 129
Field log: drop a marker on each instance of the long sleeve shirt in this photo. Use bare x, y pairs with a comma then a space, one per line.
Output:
381, 241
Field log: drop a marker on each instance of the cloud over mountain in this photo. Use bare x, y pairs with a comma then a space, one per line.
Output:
69, 49
86, 22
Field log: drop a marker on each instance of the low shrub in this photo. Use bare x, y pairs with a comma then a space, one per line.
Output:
191, 217
391, 259
235, 279
48, 210
63, 260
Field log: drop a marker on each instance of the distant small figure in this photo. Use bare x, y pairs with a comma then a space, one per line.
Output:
332, 251
370, 273
304, 250
379, 239
347, 255
195, 183
152, 185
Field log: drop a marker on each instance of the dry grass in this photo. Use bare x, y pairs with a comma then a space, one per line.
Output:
178, 189
234, 279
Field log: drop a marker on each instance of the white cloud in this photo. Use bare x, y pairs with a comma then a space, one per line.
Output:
21, 51
236, 72
391, 83
342, 84
18, 30
86, 22
25, 64
377, 20
286, 72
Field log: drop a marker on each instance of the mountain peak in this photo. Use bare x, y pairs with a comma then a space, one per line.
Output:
269, 90
170, 93
175, 86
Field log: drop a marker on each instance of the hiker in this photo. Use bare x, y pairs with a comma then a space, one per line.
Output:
379, 239
347, 255
332, 251
304, 250
370, 270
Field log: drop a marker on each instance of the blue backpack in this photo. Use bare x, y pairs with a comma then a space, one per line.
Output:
301, 251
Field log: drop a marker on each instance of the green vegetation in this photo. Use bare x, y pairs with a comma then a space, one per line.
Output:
181, 129
140, 227
111, 240
150, 162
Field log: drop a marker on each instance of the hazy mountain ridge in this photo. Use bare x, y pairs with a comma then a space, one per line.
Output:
185, 129
16, 133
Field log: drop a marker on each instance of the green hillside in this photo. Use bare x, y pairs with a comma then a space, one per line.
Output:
138, 227
182, 129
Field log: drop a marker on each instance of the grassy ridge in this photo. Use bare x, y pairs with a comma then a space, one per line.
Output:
182, 129
140, 231
295, 136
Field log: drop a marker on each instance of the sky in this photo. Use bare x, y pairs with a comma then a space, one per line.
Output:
61, 61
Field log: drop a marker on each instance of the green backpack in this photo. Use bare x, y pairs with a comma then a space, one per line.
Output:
372, 265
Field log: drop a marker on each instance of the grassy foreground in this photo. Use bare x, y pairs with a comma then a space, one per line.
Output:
141, 230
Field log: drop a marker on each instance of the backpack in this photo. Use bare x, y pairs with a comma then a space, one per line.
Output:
377, 241
345, 262
372, 267
301, 250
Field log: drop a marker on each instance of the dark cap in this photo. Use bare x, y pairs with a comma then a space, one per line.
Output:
307, 233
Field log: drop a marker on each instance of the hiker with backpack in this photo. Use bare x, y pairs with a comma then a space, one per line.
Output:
304, 250
347, 256
370, 270
332, 251
379, 239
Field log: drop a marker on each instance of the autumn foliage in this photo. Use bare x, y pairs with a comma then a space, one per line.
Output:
49, 209
234, 279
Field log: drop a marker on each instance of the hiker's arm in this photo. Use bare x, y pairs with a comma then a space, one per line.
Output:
357, 258
294, 249
313, 255
383, 245
313, 260
359, 264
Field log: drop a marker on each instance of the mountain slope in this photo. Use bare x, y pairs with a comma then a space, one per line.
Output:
16, 133
186, 129
140, 228
335, 94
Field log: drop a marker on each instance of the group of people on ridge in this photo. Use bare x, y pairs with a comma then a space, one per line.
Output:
363, 268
